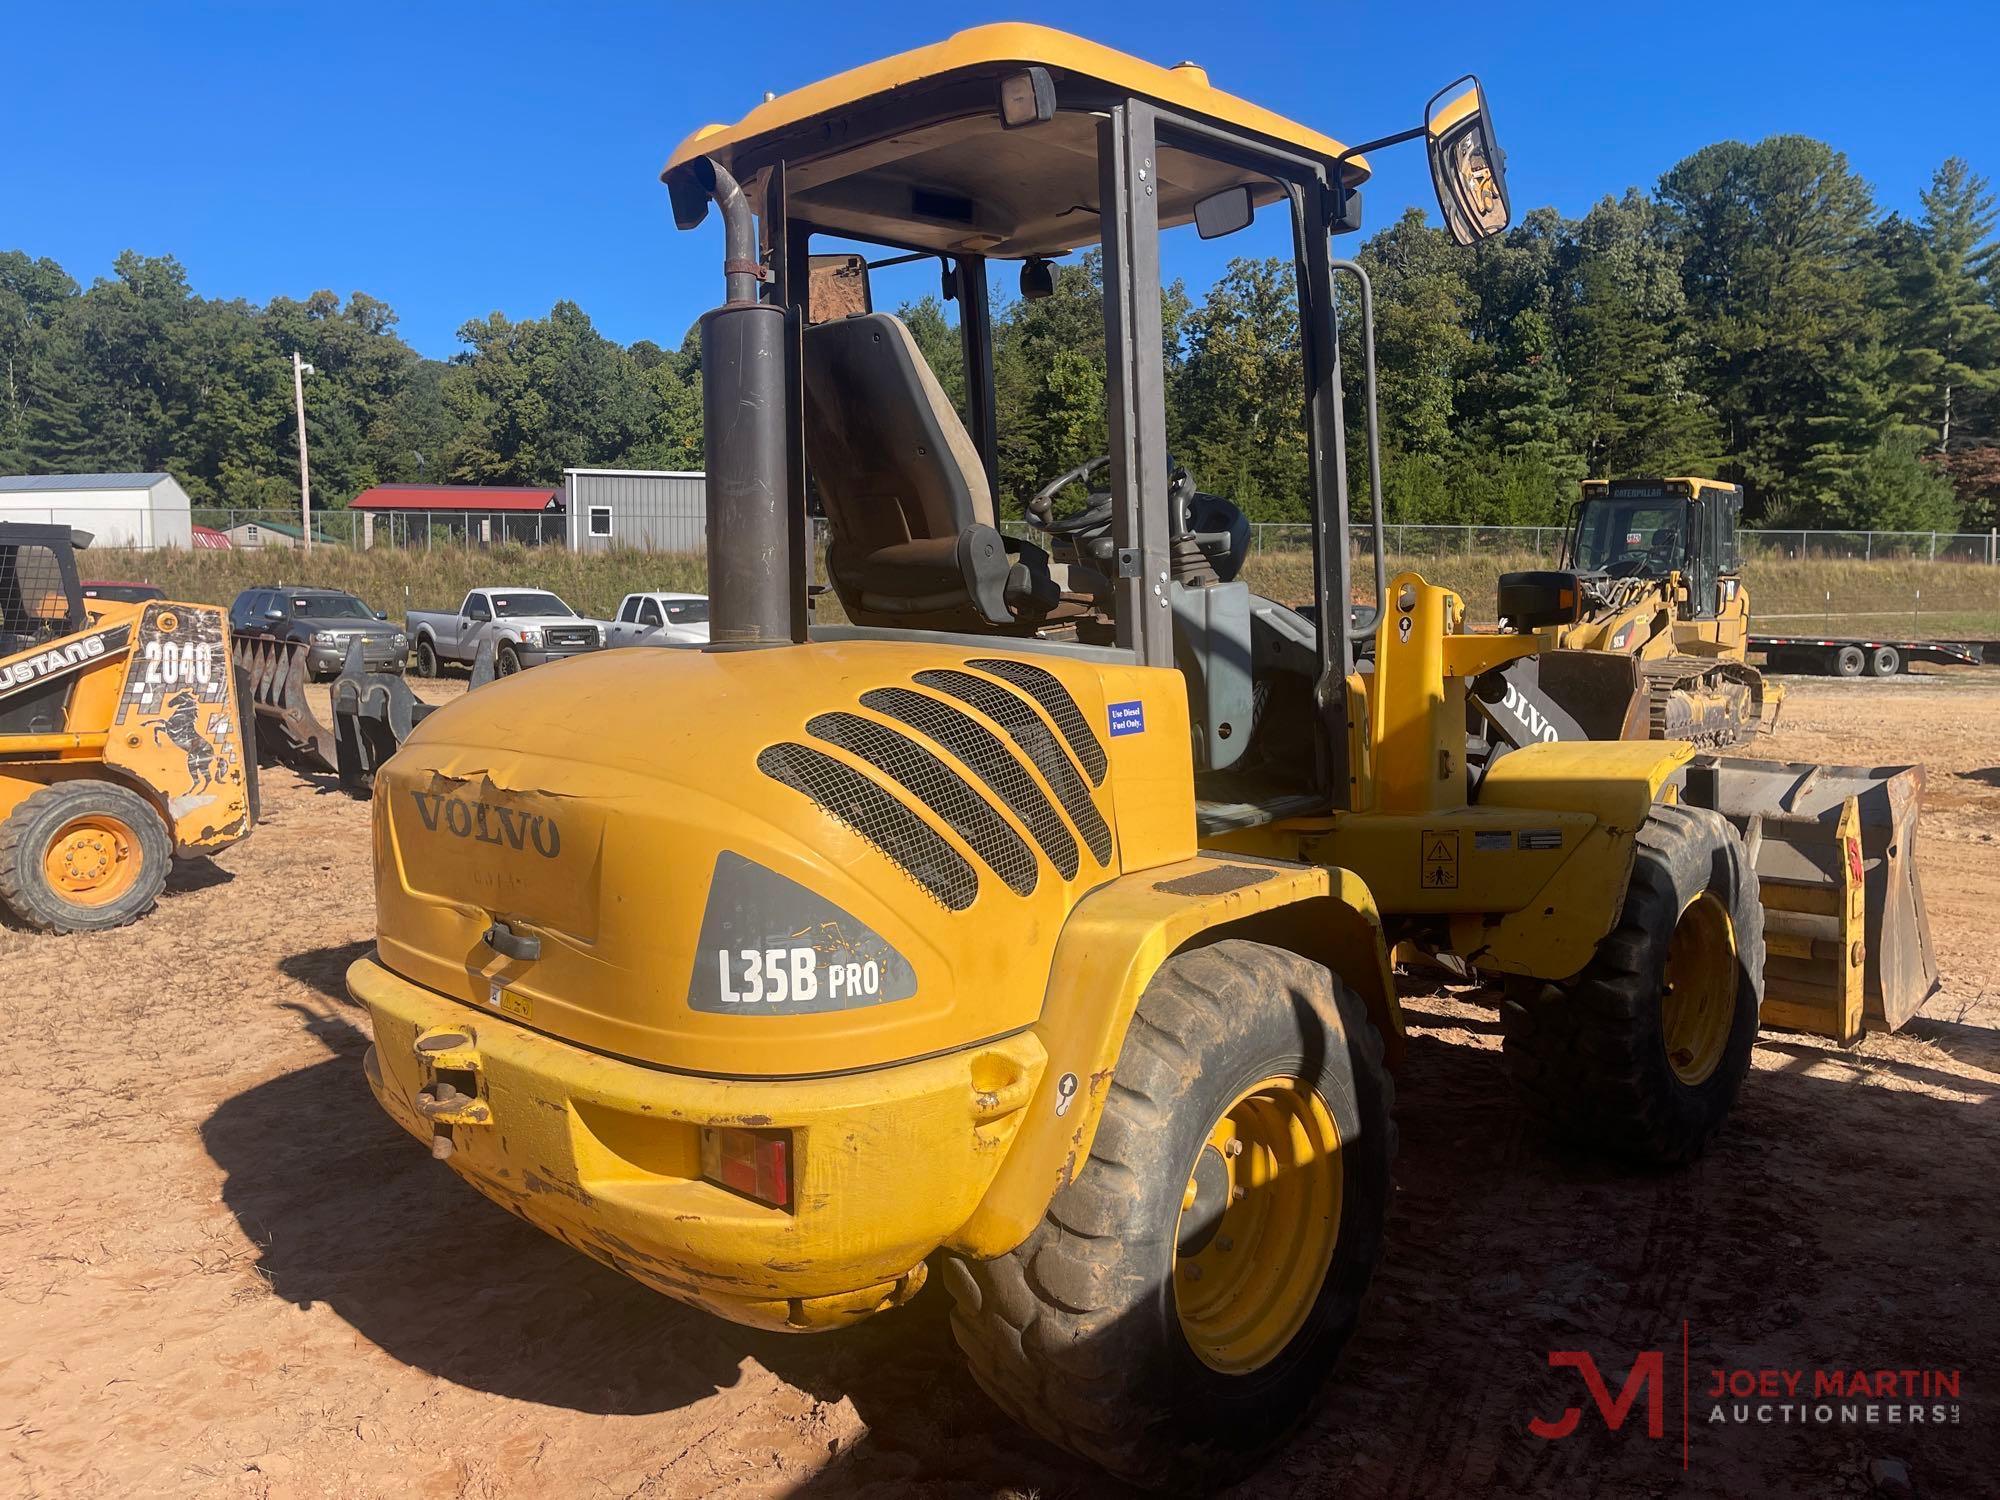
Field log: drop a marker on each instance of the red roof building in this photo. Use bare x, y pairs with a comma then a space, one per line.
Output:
422, 515
476, 498
209, 539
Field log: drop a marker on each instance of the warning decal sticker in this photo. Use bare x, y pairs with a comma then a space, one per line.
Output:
1437, 857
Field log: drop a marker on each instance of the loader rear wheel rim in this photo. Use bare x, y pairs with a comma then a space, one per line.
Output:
1248, 1266
92, 860
1698, 990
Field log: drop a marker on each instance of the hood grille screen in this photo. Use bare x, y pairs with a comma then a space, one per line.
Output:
940, 788
977, 748
905, 838
1027, 730
907, 777
1057, 704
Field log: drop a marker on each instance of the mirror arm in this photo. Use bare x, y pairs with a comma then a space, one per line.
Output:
1354, 269
1388, 140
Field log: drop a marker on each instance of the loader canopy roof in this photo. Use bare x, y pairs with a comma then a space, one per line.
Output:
912, 150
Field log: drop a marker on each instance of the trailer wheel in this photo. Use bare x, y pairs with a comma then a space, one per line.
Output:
82, 856
1642, 1054
427, 657
1850, 661
1178, 1308
1885, 661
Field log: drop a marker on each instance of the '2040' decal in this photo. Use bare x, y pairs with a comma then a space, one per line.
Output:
171, 663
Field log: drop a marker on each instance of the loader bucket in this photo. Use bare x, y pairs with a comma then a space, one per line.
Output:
288, 731
1847, 943
374, 712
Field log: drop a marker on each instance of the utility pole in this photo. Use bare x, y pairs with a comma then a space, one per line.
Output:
300, 369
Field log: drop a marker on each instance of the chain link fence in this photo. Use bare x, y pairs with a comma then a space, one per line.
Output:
423, 530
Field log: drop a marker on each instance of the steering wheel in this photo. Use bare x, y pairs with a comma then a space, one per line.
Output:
1040, 509
1097, 513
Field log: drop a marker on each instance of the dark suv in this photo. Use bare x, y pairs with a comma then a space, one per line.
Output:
324, 621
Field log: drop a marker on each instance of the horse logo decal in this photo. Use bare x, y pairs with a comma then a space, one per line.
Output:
182, 727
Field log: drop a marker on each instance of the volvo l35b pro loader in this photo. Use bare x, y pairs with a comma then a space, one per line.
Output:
1034, 924
1652, 620
123, 741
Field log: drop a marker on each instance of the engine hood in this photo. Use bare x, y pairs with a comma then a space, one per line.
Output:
794, 861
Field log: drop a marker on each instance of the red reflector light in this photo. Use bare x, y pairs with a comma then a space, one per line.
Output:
755, 1163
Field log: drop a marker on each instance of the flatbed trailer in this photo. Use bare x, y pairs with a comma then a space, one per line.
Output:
1858, 656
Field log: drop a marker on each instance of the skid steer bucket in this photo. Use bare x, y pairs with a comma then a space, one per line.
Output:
288, 731
1847, 943
374, 712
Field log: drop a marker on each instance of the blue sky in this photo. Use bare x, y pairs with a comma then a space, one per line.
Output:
459, 159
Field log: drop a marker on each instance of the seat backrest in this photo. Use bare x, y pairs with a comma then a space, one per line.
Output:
890, 456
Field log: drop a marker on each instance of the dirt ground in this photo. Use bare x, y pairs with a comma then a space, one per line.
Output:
224, 1272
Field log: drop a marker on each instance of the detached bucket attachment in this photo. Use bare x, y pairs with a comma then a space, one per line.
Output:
374, 712
288, 731
1847, 943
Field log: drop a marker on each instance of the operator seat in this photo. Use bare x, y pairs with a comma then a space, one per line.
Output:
914, 539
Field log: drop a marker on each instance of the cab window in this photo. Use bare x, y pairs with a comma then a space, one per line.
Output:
649, 612
628, 613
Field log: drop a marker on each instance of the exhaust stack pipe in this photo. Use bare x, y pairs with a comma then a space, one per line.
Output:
743, 376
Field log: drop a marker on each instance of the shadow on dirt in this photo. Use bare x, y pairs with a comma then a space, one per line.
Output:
324, 970
189, 875
1500, 1250
351, 1214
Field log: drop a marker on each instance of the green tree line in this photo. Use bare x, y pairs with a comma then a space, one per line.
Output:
1755, 317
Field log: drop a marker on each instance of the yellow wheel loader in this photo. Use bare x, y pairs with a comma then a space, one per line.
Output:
1033, 925
123, 741
1650, 597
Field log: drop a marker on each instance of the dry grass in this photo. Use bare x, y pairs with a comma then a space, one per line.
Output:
1944, 597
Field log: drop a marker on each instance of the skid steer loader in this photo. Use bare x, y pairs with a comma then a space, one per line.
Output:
1035, 923
123, 741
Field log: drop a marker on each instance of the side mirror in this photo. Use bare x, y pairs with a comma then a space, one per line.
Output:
838, 287
381, 614
274, 614
1038, 279
1467, 167
1224, 212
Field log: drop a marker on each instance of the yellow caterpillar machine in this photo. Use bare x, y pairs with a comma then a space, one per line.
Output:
1651, 597
1035, 924
122, 741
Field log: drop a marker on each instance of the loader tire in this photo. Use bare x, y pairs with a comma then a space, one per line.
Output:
1156, 1322
1642, 1053
82, 856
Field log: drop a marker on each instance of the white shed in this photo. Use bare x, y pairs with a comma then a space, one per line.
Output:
118, 510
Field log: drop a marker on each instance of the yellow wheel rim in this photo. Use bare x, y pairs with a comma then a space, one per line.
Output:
1259, 1219
1698, 991
92, 860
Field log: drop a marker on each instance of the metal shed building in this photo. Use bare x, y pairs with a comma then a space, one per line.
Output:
118, 510
654, 510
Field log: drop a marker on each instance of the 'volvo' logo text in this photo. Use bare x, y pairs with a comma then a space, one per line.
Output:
488, 823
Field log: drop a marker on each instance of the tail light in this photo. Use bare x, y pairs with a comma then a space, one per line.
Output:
755, 1163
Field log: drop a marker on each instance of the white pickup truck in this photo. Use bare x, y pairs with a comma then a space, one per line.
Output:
526, 627
657, 619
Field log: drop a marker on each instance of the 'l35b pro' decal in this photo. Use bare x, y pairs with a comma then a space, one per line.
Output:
772, 947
